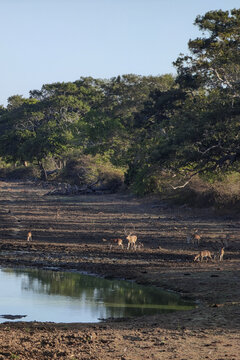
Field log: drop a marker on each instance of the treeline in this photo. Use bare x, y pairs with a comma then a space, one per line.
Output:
87, 117
156, 128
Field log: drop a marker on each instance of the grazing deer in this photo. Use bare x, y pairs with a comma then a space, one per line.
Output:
203, 254
221, 254
117, 241
29, 236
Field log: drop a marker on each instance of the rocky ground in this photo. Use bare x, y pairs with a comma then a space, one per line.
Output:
67, 234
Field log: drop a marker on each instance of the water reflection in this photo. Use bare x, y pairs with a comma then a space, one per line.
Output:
68, 297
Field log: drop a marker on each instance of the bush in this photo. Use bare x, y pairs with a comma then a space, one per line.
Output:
20, 172
221, 192
85, 170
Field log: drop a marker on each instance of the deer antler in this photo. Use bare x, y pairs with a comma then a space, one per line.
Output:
125, 231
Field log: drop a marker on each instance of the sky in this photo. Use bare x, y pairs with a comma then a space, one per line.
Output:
47, 41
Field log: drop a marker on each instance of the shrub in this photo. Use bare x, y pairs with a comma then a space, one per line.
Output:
88, 170
20, 172
222, 192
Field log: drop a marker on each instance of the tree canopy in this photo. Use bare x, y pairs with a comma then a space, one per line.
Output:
183, 125
194, 128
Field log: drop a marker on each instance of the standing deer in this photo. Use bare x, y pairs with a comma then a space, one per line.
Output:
194, 238
221, 254
203, 254
29, 236
131, 240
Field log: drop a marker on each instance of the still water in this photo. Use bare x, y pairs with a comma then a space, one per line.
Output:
45, 295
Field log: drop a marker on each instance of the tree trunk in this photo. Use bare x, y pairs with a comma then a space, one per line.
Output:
43, 171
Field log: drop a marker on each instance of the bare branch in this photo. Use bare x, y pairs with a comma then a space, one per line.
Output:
218, 164
187, 182
209, 149
224, 81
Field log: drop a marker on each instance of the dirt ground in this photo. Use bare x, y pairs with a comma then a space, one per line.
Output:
67, 234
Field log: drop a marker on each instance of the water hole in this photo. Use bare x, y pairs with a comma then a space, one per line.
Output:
55, 296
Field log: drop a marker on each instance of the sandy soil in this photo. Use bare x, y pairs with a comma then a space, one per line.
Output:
68, 232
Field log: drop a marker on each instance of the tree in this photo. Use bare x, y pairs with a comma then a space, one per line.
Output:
194, 127
36, 128
214, 62
110, 128
94, 115
213, 69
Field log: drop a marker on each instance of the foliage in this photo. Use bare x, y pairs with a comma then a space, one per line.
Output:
19, 172
88, 170
163, 131
214, 62
194, 128
93, 115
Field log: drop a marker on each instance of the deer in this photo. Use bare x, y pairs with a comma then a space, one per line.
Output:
117, 241
203, 254
194, 238
221, 254
29, 236
132, 239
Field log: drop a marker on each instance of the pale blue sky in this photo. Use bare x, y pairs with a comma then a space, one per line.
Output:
45, 41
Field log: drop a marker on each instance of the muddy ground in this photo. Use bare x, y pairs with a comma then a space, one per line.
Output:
67, 234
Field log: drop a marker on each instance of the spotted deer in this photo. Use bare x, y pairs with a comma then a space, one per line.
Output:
117, 241
132, 239
194, 238
29, 236
203, 254
221, 254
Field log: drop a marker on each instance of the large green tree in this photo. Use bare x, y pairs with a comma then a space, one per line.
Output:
214, 60
93, 115
212, 74
110, 127
195, 127
38, 127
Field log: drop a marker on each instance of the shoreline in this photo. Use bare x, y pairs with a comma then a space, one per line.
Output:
74, 242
